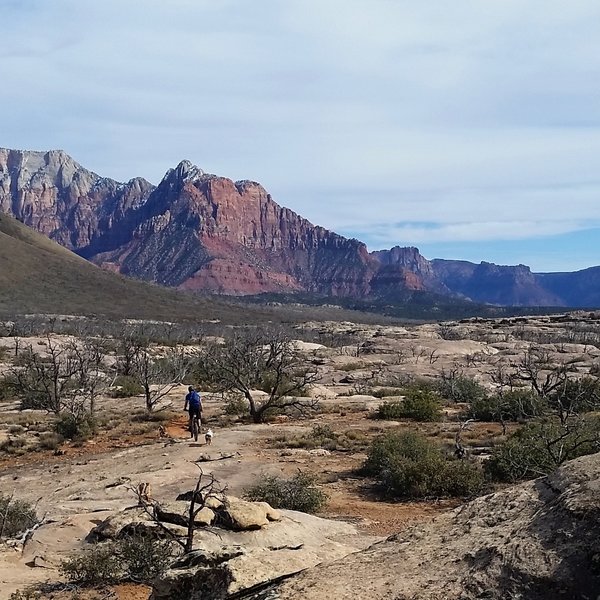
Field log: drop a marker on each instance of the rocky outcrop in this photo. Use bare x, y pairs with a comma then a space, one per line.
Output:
50, 192
404, 269
539, 540
249, 543
202, 232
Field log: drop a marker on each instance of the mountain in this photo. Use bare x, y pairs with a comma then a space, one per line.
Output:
200, 232
496, 284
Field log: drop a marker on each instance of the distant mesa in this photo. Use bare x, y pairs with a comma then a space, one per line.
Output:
198, 231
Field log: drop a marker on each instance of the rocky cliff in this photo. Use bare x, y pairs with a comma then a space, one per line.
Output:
50, 192
197, 231
202, 232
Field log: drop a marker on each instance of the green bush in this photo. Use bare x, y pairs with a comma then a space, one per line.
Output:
144, 557
298, 493
98, 564
408, 465
514, 405
75, 427
459, 388
135, 558
236, 407
539, 448
16, 517
418, 404
126, 386
390, 410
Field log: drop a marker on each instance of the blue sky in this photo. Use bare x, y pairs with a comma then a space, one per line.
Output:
469, 129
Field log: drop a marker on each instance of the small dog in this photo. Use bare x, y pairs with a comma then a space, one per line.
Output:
208, 436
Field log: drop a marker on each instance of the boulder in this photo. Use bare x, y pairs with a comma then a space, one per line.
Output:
241, 515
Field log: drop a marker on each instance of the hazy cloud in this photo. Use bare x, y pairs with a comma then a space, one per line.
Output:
398, 122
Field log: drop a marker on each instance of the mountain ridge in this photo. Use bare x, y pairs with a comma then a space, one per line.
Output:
202, 232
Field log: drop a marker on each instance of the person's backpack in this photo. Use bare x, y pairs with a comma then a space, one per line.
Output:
194, 399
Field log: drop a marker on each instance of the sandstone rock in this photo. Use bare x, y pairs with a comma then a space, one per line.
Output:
241, 515
111, 527
539, 540
239, 560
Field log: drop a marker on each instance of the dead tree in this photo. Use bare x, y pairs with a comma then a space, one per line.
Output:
207, 488
257, 360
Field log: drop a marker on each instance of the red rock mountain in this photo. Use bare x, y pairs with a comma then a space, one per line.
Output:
202, 232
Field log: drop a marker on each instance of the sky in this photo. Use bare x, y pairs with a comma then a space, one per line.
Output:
470, 129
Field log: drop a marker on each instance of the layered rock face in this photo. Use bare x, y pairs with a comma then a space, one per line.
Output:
487, 282
50, 192
201, 232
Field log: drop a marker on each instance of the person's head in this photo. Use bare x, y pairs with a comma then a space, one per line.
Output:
190, 389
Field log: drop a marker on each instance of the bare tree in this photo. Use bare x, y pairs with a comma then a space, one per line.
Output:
68, 377
159, 373
537, 369
46, 382
257, 360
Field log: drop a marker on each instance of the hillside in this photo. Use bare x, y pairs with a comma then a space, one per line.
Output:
38, 275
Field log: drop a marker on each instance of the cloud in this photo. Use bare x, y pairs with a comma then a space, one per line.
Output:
366, 116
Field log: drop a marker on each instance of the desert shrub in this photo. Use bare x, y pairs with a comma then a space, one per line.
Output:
351, 366
134, 558
16, 516
144, 557
14, 429
390, 410
539, 448
236, 407
298, 493
126, 386
513, 405
97, 564
459, 388
407, 465
26, 595
6, 388
157, 416
14, 445
75, 427
50, 440
418, 404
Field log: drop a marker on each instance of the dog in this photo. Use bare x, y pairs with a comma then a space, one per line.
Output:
208, 436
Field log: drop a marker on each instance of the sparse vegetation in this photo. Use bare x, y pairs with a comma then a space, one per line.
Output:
539, 448
298, 493
135, 558
16, 516
456, 387
258, 360
408, 465
126, 386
